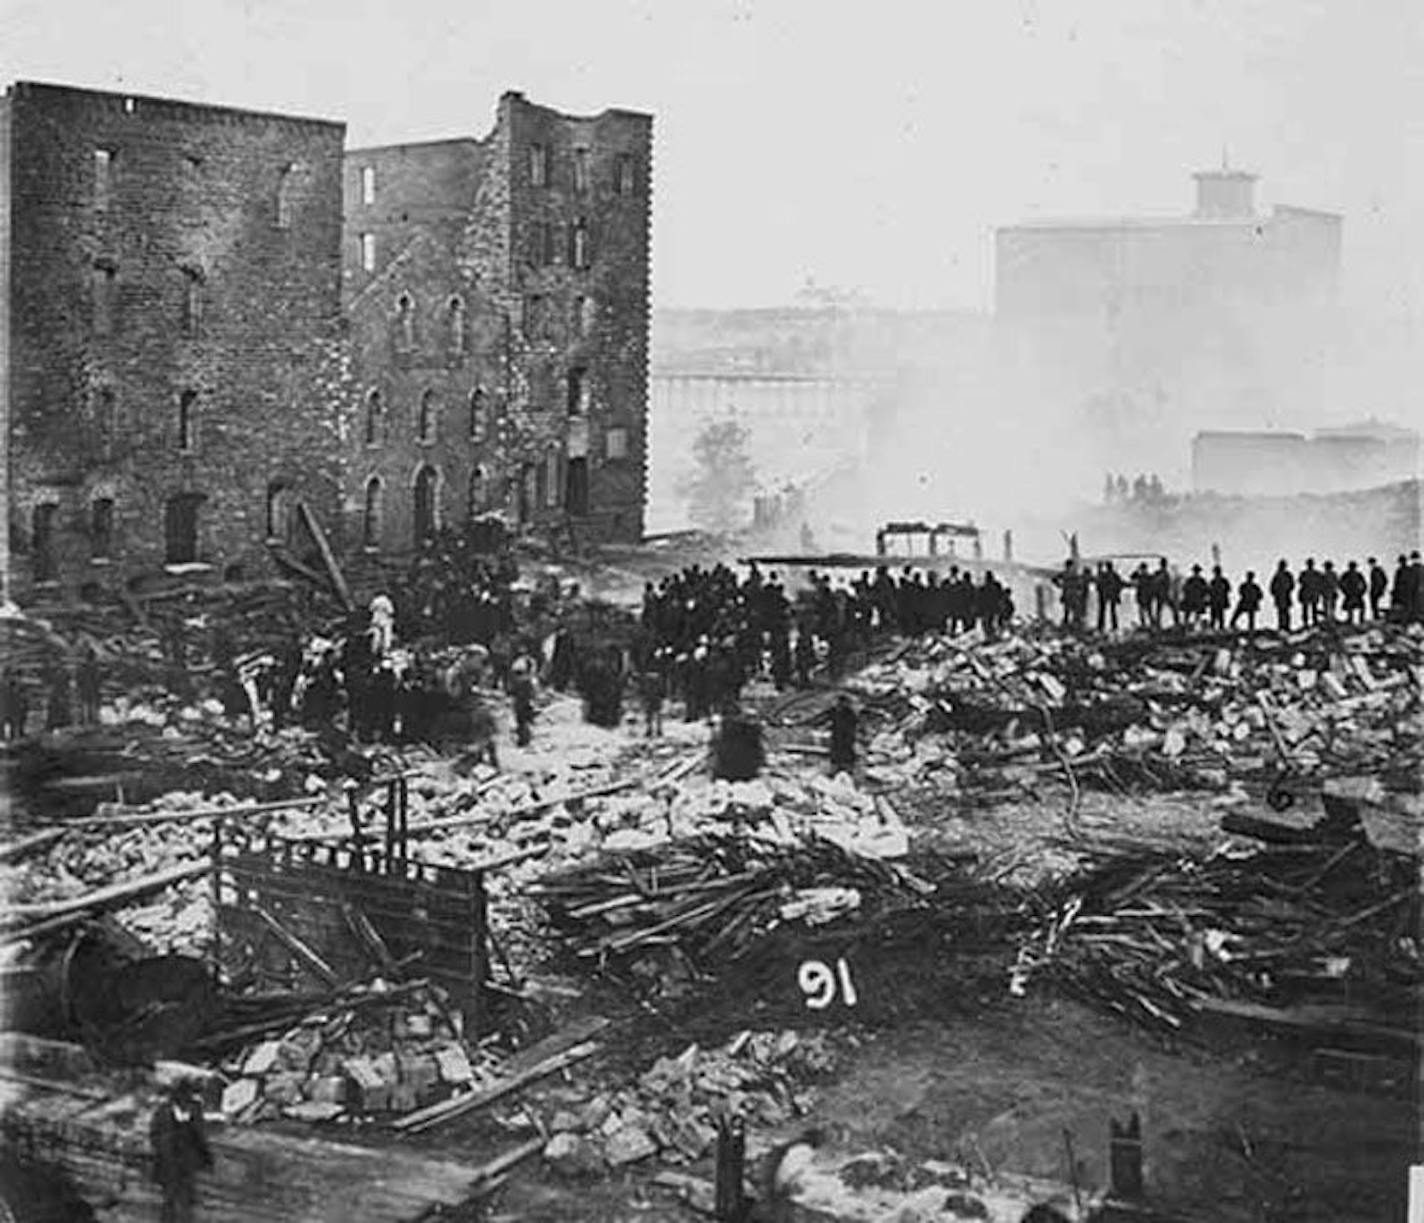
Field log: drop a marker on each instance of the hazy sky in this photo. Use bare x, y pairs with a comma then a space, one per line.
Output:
872, 144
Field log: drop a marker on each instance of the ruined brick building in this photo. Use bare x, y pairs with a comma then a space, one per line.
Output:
169, 289
216, 328
497, 292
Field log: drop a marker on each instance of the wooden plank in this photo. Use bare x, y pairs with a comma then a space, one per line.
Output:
14, 851
114, 896
549, 1055
202, 813
448, 1110
298, 948
455, 821
338, 579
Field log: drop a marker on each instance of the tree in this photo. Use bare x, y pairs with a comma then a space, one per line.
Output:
723, 478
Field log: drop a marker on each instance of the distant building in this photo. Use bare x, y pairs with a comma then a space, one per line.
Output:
1146, 329
1278, 464
497, 292
169, 295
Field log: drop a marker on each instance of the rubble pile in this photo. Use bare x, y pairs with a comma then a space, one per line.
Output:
672, 1109
382, 1051
714, 896
1171, 712
1319, 932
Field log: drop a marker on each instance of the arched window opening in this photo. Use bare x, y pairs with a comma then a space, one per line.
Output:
455, 322
188, 420
578, 244
425, 504
578, 392
192, 302
371, 516
553, 485
375, 419
479, 491
287, 178
479, 415
426, 418
405, 320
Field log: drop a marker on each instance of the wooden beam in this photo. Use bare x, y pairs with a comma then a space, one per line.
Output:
32, 844
338, 579
200, 813
544, 1058
298, 948
115, 896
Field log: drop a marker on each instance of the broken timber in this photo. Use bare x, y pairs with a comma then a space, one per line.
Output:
548, 1056
338, 579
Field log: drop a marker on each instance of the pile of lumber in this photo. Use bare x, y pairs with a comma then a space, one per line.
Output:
1315, 934
713, 896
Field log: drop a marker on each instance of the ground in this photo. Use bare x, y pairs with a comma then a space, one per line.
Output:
1237, 1126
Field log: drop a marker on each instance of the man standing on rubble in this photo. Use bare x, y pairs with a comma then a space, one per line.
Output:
521, 691
1329, 591
1218, 598
1109, 596
1309, 593
1142, 587
1248, 603
1379, 585
180, 1150
1195, 595
1282, 587
1352, 594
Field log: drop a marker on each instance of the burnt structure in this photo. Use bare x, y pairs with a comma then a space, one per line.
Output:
221, 335
497, 292
169, 297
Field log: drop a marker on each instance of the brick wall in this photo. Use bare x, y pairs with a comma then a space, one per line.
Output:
237, 214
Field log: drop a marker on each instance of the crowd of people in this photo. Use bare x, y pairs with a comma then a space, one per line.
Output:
706, 632
1165, 596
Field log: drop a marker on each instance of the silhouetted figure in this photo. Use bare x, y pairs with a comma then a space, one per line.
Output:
521, 691
1109, 596
180, 1151
1218, 598
1379, 586
1308, 591
1282, 587
1248, 603
1329, 591
1353, 589
1195, 595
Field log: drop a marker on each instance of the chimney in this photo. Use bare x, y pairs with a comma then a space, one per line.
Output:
1225, 194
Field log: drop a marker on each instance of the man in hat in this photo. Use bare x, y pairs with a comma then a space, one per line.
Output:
180, 1150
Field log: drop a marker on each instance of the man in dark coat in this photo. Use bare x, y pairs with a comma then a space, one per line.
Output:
1195, 595
1379, 586
1353, 589
1399, 591
1109, 596
1329, 590
845, 722
1248, 602
1218, 597
1282, 587
1308, 591
180, 1151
